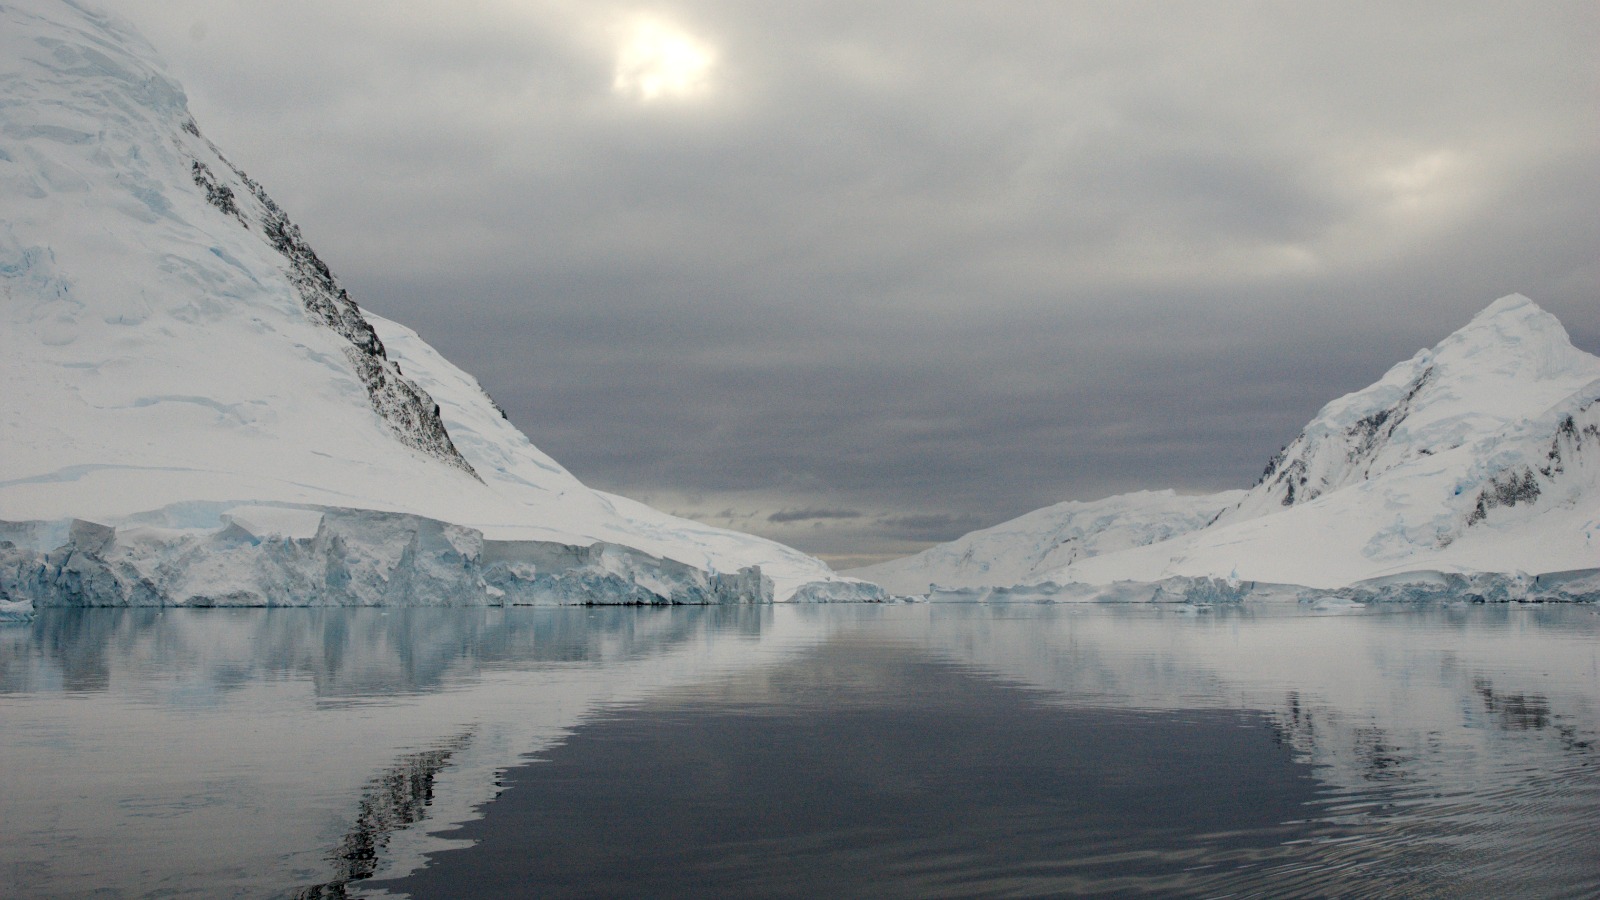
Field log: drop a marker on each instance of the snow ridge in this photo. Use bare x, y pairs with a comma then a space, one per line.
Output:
410, 413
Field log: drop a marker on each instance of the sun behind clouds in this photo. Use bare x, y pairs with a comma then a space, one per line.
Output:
658, 61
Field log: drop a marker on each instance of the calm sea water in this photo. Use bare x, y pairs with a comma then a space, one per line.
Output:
919, 750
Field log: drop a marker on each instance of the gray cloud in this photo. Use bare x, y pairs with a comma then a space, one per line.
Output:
940, 263
809, 515
929, 526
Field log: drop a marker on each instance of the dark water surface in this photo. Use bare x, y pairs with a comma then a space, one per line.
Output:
943, 750
871, 768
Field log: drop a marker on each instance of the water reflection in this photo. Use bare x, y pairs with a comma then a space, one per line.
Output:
901, 753
393, 800
1515, 711
229, 751
872, 763
347, 653
1464, 737
260, 751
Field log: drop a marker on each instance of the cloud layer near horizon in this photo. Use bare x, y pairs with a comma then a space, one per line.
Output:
864, 276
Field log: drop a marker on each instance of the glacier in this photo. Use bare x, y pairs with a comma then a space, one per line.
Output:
198, 412
1472, 467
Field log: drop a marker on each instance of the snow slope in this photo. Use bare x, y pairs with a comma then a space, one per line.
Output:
1481, 454
1023, 549
174, 350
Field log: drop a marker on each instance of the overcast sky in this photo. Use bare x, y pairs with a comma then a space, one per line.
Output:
863, 276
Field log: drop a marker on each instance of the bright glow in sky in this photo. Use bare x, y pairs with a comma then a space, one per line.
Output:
658, 61
1422, 183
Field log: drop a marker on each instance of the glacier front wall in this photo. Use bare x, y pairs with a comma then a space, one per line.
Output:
349, 558
1201, 593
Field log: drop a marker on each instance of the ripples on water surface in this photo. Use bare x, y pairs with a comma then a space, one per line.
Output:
924, 750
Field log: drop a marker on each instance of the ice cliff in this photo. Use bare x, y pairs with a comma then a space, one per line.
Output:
176, 352
287, 556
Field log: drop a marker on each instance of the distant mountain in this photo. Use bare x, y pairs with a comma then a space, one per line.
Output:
1511, 364
197, 411
1481, 454
1025, 548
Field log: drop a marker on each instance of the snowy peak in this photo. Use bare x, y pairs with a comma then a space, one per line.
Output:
1512, 362
1516, 334
1509, 348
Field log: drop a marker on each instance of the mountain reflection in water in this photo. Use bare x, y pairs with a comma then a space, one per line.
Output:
870, 767
926, 749
395, 799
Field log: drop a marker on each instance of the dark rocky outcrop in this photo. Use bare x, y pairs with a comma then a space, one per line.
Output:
412, 416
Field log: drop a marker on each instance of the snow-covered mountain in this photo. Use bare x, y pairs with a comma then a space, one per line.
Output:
1023, 549
1512, 363
1481, 454
182, 369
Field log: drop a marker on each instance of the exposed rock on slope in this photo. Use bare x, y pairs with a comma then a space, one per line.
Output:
410, 413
